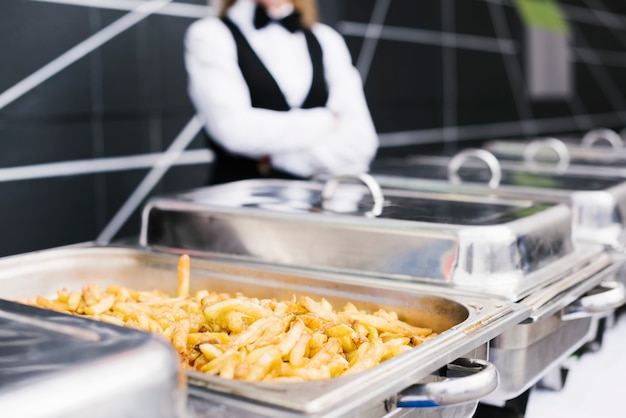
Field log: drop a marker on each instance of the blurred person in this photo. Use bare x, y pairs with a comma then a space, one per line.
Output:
277, 93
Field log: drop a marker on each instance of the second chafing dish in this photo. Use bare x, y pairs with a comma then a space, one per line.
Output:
596, 194
502, 247
600, 146
506, 248
597, 201
465, 322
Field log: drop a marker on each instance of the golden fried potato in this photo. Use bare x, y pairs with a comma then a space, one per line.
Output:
238, 337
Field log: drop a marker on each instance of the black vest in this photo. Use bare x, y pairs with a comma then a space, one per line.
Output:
265, 94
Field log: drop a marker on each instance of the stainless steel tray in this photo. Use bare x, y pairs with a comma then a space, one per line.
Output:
502, 247
465, 321
55, 365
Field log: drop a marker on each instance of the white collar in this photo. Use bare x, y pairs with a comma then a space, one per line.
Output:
242, 13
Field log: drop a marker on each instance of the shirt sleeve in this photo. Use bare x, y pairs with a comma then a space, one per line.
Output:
354, 142
222, 101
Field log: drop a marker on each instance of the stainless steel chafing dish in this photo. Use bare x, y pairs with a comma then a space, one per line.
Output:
597, 147
501, 247
507, 248
597, 195
595, 179
465, 322
597, 203
55, 365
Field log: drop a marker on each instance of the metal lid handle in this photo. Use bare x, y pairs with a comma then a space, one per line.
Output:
488, 158
608, 135
479, 379
605, 298
372, 185
555, 145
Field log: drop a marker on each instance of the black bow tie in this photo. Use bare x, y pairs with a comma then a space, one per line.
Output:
291, 22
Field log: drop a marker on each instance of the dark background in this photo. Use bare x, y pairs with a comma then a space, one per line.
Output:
428, 85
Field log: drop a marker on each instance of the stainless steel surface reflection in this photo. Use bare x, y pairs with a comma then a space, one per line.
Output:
597, 148
496, 246
596, 194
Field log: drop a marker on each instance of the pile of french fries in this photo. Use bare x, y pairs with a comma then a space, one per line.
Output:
239, 337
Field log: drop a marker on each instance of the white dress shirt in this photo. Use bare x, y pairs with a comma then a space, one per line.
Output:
337, 139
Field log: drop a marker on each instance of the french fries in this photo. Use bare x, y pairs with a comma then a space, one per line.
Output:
183, 276
238, 337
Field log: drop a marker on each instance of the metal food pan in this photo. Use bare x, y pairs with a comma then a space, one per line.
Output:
560, 323
465, 321
54, 365
502, 247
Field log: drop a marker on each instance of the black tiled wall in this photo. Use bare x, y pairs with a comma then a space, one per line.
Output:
452, 74
128, 97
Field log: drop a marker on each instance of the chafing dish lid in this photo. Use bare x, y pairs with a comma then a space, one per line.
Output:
297, 197
71, 365
601, 147
597, 196
513, 174
484, 243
